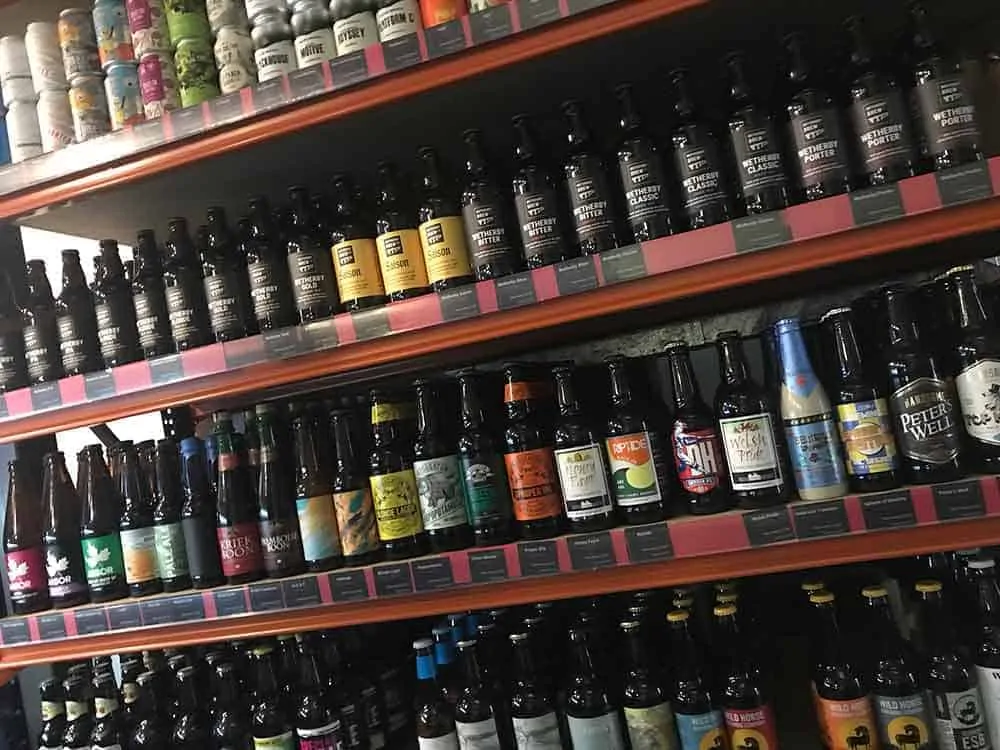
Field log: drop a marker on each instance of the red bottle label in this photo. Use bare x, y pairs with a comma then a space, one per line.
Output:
698, 457
752, 728
26, 572
239, 547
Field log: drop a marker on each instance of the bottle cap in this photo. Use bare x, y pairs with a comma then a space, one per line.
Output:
422, 643
822, 597
928, 587
811, 587
834, 311
729, 597
678, 615
874, 592
960, 269
466, 644
981, 564
190, 446
724, 610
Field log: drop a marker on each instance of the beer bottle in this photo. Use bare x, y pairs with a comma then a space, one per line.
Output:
529, 457
149, 298
475, 716
943, 101
442, 233
79, 343
532, 705
114, 309
343, 691
814, 127
369, 695
13, 368
927, 431
593, 720
393, 483
448, 675
648, 716
434, 716
53, 714
314, 498
185, 293
150, 732
280, 539
352, 497
640, 163
314, 286
40, 329
79, 719
108, 732
760, 165
808, 419
352, 246
136, 526
103, 559
225, 281
168, 531
269, 724
132, 667
230, 724
580, 462
986, 645
697, 447
698, 160
587, 186
286, 663
439, 477
699, 721
483, 471
267, 270
879, 113
22, 543
192, 730
316, 723
236, 516
493, 242
540, 213
61, 535
749, 430
638, 476
198, 518
400, 253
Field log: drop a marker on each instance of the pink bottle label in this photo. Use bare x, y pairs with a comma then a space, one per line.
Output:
26, 571
239, 547
151, 79
140, 17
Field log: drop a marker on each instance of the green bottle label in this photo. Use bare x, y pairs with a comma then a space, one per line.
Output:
486, 490
171, 555
102, 560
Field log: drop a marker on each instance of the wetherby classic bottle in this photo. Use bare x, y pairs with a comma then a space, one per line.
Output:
400, 254
79, 345
24, 552
591, 202
114, 309
150, 731
149, 297
225, 281
649, 718
79, 718
236, 515
198, 518
185, 292
103, 560
267, 269
477, 707
61, 535
593, 719
532, 704
13, 368
168, 531
352, 496
136, 526
108, 732
442, 233
314, 286
352, 245
314, 497
699, 721
40, 330
53, 714
280, 538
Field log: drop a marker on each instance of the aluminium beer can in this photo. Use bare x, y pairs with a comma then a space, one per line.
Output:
23, 132
148, 21
88, 102
55, 120
114, 40
15, 74
41, 42
78, 43
124, 96
158, 84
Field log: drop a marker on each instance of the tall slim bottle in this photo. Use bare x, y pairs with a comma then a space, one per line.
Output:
314, 498
593, 719
442, 233
532, 705
61, 535
149, 297
267, 269
192, 728
198, 518
24, 552
185, 292
435, 718
40, 329
79, 343
236, 516
591, 201
314, 286
352, 245
79, 714
103, 560
13, 368
316, 722
168, 531
115, 309
280, 539
477, 722
53, 714
696, 711
109, 731
400, 254
136, 526
226, 286
352, 497
986, 645
649, 719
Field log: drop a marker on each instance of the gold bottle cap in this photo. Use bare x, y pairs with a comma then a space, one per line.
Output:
822, 597
928, 587
811, 587
730, 597
683, 602
874, 592
724, 610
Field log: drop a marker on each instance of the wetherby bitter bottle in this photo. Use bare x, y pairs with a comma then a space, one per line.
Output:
114, 309
149, 297
226, 287
79, 344
41, 332
184, 289
267, 269
13, 369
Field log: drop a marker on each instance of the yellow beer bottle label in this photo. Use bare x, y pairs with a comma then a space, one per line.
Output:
397, 505
445, 251
401, 260
387, 412
356, 265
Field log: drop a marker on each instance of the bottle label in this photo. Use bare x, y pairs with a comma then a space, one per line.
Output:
633, 471
448, 742
151, 319
882, 125
699, 167
583, 477
11, 360
106, 747
846, 725
819, 145
181, 309
321, 738
402, 260
989, 688
651, 728
64, 567
312, 278
537, 732
104, 707
139, 551
356, 521
52, 709
979, 398
533, 484
960, 720
76, 709
698, 458
284, 741
37, 353
355, 32
904, 722
814, 451
867, 437
397, 507
948, 114
538, 217
275, 60
170, 552
223, 295
355, 263
315, 47
265, 291
26, 573
280, 544
239, 548
758, 154
599, 733
589, 198
201, 546
398, 19
644, 184
925, 417
489, 240
752, 728
751, 454
486, 489
72, 347
318, 527
442, 496
112, 319
701, 731
478, 735
445, 253
103, 560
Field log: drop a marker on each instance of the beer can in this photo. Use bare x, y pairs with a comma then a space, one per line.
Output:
55, 120
22, 131
256, 7
41, 41
233, 46
187, 20
15, 74
114, 40
234, 77
88, 103
223, 13
148, 21
158, 84
78, 43
124, 96
197, 77
4, 143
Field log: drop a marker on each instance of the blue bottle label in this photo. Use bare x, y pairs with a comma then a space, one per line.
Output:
815, 453
701, 731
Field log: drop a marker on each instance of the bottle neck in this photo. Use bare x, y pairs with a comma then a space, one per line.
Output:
566, 396
39, 290
167, 472
519, 397
577, 134
883, 622
628, 119
524, 141
686, 650
475, 162
432, 179
860, 54
112, 263
427, 421
684, 109
968, 304
524, 660
903, 329
989, 597
621, 388
268, 438
686, 394
739, 89
582, 659
936, 622
343, 442
72, 273
845, 344
798, 66
732, 362
306, 450
472, 410
471, 668
797, 371
635, 647
310, 680
179, 247
133, 486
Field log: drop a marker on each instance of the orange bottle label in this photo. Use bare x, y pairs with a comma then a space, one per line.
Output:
846, 724
521, 391
534, 484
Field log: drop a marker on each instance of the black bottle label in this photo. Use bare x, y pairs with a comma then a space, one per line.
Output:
312, 278
883, 128
947, 114
281, 545
700, 169
538, 217
112, 318
151, 319
40, 351
925, 417
182, 307
489, 241
202, 547
222, 292
72, 346
265, 289
758, 154
589, 198
819, 146
644, 183
11, 360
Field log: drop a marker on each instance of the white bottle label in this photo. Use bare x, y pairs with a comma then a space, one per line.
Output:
979, 396
600, 733
537, 733
583, 477
750, 452
478, 735
651, 728
355, 32
275, 60
396, 20
448, 742
315, 47
989, 688
959, 719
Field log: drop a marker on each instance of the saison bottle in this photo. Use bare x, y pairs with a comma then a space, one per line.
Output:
192, 730
314, 286
280, 539
168, 531
267, 269
986, 643
136, 526
400, 254
697, 447
40, 329
236, 515
150, 731
649, 719
61, 535
529, 457
532, 704
591, 202
226, 288
699, 721
13, 368
580, 461
53, 714
79, 719
749, 430
643, 178
316, 722
103, 559
108, 732
314, 498
352, 245
638, 476
352, 497
592, 717
435, 718
539, 207
24, 551
926, 417
79, 343
149, 297
115, 309
492, 239
230, 723
476, 717
442, 234
269, 722
198, 518
439, 477
393, 483
185, 293
483, 471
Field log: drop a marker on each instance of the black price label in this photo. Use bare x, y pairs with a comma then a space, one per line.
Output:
537, 12
52, 627
432, 573
760, 232
392, 579
156, 612
349, 69
515, 291
445, 38
648, 543
888, 510
166, 369
99, 385
266, 597
124, 616
283, 342
188, 608
582, 6
877, 205
401, 53
538, 558
230, 602
321, 335
90, 621
371, 324
969, 182
491, 24
577, 275
45, 396
15, 631
815, 520
226, 108
301, 592
486, 566
268, 95
459, 303
623, 264
962, 499
768, 526
307, 82
187, 122
590, 551
348, 586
